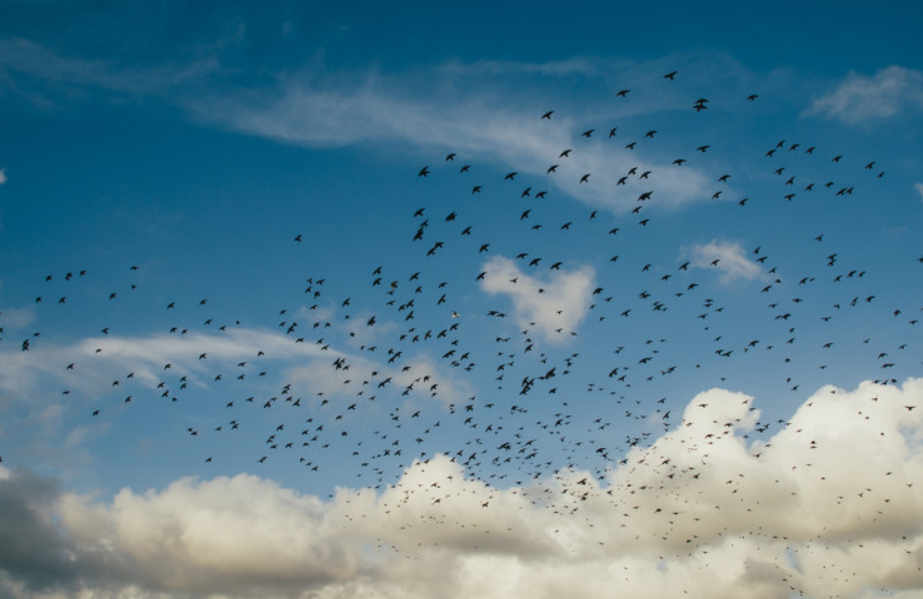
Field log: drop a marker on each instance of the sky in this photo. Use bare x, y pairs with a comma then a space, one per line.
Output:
323, 300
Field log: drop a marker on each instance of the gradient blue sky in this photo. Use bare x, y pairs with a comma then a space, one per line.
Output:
247, 351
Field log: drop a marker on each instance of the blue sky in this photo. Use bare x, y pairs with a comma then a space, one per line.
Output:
669, 330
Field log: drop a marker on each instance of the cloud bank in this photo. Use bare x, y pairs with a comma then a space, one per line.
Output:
702, 511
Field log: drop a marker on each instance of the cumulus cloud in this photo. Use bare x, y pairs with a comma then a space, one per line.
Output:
2, 176
703, 510
919, 188
858, 98
554, 306
729, 258
34, 550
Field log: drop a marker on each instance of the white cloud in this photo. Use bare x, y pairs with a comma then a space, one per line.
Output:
2, 176
99, 360
361, 375
919, 188
311, 111
729, 258
36, 61
702, 510
859, 98
424, 110
17, 318
555, 306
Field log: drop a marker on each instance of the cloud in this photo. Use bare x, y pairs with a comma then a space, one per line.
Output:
17, 318
554, 306
34, 549
428, 112
2, 176
727, 257
99, 360
347, 376
919, 188
25, 58
858, 98
422, 110
702, 510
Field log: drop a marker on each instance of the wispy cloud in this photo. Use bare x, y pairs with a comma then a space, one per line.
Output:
554, 305
888, 93
323, 113
701, 509
456, 107
729, 258
59, 75
90, 365
341, 376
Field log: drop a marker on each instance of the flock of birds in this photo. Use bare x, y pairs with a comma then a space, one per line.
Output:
404, 370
